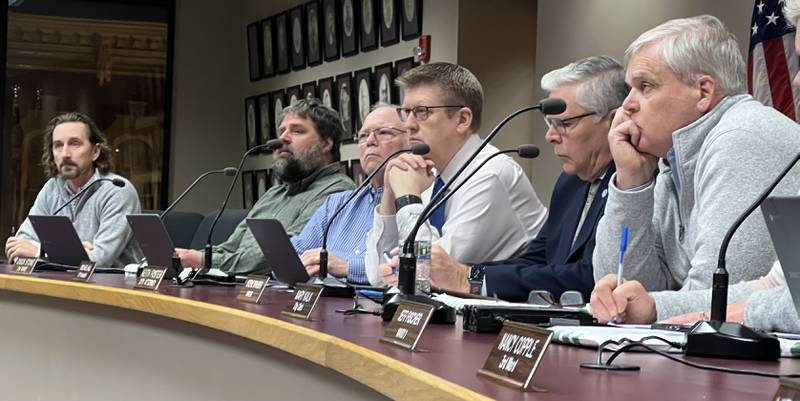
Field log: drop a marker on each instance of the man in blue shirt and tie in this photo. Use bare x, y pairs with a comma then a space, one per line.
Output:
381, 135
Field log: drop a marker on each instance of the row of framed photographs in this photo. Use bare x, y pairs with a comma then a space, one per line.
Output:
255, 183
327, 29
351, 94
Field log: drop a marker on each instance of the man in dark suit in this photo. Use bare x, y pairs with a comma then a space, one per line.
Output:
560, 257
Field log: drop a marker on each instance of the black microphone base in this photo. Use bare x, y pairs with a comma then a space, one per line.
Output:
715, 339
442, 314
332, 287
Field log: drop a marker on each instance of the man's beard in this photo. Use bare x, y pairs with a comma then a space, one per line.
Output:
70, 171
298, 166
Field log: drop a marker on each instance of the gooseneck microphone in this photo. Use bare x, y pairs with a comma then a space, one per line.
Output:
335, 287
271, 145
720, 339
228, 171
408, 261
116, 181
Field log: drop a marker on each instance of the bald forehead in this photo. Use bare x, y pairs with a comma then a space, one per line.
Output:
384, 115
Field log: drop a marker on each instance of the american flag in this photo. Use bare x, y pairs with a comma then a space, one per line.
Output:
772, 62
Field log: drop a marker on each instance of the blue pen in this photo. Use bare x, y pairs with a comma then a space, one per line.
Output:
623, 246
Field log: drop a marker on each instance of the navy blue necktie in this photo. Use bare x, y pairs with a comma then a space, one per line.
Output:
437, 217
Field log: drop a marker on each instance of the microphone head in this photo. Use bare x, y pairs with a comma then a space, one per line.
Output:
528, 151
118, 182
273, 144
229, 171
552, 105
420, 149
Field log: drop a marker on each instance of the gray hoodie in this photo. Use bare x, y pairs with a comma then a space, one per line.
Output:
723, 161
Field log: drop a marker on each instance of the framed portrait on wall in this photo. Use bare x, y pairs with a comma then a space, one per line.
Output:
251, 122
264, 118
293, 94
247, 190
363, 92
330, 36
313, 34
349, 27
368, 28
326, 93
278, 103
262, 183
384, 83
309, 90
390, 31
254, 51
345, 102
282, 43
267, 49
297, 38
401, 66
411, 19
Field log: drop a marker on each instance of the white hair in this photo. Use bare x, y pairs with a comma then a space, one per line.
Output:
697, 46
600, 83
791, 12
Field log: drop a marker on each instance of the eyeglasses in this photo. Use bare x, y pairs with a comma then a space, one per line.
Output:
545, 298
561, 124
421, 113
382, 134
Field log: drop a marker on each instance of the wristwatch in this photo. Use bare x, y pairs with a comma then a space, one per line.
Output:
406, 200
476, 274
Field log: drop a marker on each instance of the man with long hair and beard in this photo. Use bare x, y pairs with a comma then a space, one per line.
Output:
75, 155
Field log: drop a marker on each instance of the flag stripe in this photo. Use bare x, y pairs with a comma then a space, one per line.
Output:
793, 63
760, 81
779, 82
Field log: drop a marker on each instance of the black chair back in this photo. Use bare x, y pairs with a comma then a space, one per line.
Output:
227, 223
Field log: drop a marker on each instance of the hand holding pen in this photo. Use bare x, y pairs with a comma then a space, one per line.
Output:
616, 300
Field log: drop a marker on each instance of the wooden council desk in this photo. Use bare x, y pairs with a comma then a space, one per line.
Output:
65, 340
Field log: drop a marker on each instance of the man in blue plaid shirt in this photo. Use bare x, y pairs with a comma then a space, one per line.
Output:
380, 136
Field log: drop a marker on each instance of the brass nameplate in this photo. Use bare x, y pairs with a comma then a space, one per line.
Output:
789, 390
407, 324
516, 354
85, 271
150, 278
253, 288
305, 298
24, 265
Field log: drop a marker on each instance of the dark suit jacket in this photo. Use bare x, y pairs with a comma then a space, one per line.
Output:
551, 261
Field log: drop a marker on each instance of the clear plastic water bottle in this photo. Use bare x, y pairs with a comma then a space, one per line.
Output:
423, 283
422, 251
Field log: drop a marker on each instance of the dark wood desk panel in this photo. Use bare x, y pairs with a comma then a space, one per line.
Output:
447, 352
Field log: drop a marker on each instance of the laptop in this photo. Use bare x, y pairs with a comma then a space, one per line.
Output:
782, 214
278, 251
153, 238
59, 241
